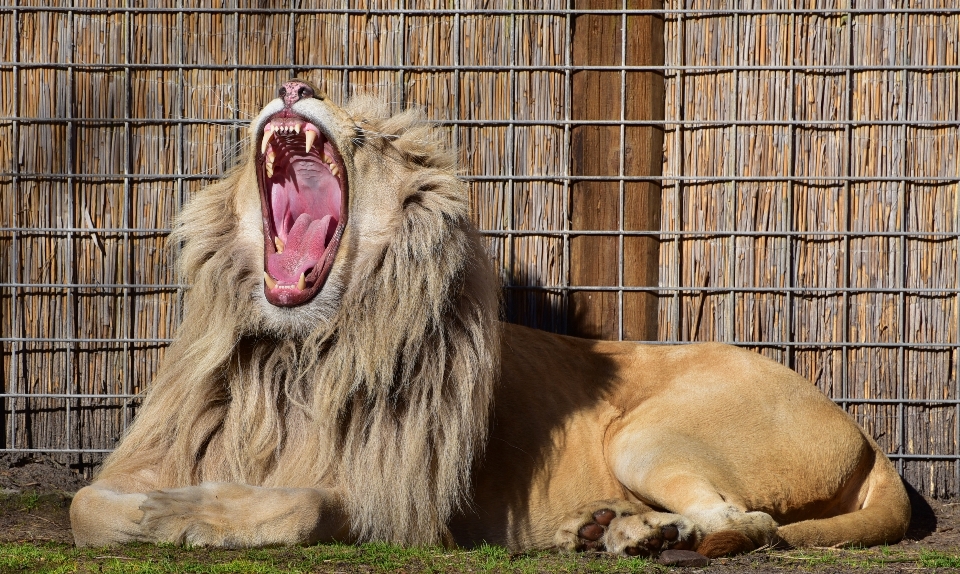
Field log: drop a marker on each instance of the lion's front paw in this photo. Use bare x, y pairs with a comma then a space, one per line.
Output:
650, 533
184, 516
584, 528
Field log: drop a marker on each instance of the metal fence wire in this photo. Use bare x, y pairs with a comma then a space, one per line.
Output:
805, 203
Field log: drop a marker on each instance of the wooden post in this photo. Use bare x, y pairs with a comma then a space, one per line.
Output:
597, 41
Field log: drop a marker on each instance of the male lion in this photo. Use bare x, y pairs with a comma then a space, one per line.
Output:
341, 374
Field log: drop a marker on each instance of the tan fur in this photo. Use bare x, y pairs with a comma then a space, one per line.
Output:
724, 543
395, 407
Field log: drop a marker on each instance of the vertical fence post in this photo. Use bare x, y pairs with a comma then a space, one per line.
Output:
606, 150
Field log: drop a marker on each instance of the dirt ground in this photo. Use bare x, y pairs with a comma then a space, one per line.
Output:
36, 498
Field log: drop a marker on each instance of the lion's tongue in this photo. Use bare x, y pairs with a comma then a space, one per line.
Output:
304, 247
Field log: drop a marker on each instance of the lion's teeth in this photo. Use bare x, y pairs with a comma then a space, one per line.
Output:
311, 137
330, 163
269, 280
271, 157
302, 282
296, 128
267, 134
334, 170
279, 244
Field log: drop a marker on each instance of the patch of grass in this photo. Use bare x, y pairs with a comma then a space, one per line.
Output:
935, 559
149, 559
30, 501
865, 558
807, 558
33, 558
375, 558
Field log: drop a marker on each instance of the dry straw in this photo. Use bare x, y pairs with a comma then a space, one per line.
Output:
863, 332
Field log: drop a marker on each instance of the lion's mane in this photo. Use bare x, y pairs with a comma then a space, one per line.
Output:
386, 398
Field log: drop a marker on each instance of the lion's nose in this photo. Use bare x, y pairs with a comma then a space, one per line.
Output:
295, 90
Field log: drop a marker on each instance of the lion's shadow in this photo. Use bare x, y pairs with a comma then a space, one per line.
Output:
532, 305
527, 451
580, 312
923, 519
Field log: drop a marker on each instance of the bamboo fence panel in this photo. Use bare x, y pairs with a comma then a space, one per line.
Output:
838, 258
866, 333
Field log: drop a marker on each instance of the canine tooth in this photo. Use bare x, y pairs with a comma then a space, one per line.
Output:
269, 280
267, 134
311, 137
279, 244
302, 282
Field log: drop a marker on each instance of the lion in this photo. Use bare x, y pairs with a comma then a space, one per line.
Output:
341, 374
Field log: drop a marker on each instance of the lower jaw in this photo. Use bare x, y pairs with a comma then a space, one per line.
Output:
292, 295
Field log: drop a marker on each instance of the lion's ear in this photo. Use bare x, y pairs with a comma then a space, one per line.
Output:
420, 193
415, 199
436, 192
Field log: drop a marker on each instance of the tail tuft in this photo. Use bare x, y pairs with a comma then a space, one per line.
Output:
725, 543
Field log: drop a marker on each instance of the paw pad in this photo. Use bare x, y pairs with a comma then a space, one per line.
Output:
653, 545
591, 533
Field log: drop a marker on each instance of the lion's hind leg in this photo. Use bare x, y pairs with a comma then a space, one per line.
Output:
676, 475
625, 528
725, 526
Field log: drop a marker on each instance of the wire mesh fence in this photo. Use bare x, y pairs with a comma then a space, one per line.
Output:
804, 200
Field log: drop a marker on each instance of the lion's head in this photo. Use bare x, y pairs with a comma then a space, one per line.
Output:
341, 326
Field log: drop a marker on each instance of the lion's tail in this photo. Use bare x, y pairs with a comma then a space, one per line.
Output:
882, 519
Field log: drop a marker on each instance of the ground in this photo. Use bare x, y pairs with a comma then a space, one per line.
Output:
36, 497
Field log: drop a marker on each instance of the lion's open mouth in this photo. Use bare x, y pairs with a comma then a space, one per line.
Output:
302, 186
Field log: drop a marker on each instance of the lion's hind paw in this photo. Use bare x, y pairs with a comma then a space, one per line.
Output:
625, 528
584, 528
650, 533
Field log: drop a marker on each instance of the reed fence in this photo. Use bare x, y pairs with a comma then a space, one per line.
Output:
805, 203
